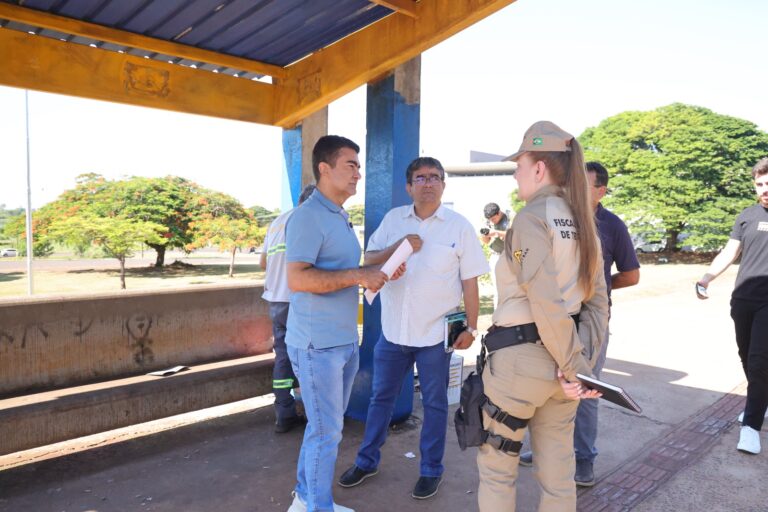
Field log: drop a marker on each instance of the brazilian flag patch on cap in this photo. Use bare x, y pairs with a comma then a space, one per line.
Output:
537, 141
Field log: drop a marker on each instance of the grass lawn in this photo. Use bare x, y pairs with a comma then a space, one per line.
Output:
84, 281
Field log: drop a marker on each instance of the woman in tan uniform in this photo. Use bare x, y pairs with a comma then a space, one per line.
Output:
551, 268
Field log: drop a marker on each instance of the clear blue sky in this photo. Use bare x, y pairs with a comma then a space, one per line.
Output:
574, 62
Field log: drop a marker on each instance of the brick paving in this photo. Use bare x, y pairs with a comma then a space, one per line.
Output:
640, 476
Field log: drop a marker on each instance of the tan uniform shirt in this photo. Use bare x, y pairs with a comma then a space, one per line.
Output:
537, 280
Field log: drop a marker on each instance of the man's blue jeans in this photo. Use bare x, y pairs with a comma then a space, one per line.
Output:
391, 363
326, 377
585, 432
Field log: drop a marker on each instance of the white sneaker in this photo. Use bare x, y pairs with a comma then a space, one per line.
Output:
298, 505
741, 416
749, 440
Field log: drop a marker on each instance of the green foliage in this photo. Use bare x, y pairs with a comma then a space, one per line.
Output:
357, 214
262, 215
41, 249
118, 236
15, 229
515, 202
678, 169
229, 230
6, 215
227, 233
171, 202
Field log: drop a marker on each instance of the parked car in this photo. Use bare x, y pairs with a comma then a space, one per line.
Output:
9, 253
643, 246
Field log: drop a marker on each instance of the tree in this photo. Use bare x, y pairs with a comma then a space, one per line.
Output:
228, 234
15, 228
118, 236
168, 201
678, 169
222, 221
357, 214
262, 215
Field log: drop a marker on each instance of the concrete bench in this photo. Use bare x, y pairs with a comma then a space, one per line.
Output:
75, 366
48, 417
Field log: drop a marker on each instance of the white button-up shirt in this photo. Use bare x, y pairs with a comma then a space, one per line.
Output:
413, 307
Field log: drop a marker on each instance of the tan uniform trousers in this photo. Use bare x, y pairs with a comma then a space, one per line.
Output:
521, 380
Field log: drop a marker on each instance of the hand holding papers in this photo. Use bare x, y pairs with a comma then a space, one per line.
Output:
401, 254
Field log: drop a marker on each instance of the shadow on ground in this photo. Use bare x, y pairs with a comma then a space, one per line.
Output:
174, 271
11, 276
237, 463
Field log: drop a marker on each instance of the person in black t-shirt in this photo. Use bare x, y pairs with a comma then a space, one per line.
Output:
749, 303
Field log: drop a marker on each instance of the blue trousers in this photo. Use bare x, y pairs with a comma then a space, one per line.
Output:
283, 378
585, 432
326, 377
391, 363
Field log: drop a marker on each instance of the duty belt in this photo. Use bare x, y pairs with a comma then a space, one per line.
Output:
503, 337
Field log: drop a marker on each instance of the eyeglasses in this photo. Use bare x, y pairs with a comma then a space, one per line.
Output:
432, 179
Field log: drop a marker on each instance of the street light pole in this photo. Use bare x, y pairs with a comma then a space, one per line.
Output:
29, 203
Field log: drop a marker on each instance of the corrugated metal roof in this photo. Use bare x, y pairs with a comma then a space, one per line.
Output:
277, 32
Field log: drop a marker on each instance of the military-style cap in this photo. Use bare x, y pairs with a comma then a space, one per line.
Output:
543, 136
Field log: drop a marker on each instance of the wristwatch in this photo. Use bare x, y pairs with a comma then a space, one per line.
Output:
474, 332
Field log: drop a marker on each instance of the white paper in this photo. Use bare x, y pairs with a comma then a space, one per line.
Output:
169, 371
400, 256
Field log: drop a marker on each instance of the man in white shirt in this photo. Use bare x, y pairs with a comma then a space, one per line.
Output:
445, 265
277, 293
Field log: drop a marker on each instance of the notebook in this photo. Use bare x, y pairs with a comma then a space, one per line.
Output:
610, 392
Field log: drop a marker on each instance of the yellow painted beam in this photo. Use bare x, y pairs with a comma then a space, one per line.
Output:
370, 53
123, 38
45, 64
403, 6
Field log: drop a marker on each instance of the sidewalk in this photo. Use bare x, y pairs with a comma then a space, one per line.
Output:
674, 354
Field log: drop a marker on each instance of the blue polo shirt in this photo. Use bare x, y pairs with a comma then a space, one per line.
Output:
616, 242
319, 233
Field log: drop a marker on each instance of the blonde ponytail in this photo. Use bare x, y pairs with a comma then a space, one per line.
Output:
568, 171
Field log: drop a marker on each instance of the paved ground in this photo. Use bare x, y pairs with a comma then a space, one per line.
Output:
673, 353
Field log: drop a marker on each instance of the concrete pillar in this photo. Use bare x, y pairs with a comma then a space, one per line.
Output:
392, 142
297, 150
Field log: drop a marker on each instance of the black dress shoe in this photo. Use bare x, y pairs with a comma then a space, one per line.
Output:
585, 474
355, 476
526, 459
286, 424
426, 487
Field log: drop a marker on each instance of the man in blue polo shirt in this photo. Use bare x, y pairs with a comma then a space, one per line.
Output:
618, 249
324, 273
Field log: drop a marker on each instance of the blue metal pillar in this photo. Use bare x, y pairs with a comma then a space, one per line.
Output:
291, 186
297, 152
392, 142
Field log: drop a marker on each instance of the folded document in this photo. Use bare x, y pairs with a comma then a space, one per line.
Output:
401, 254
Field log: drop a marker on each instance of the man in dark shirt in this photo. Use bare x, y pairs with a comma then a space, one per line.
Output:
749, 303
618, 249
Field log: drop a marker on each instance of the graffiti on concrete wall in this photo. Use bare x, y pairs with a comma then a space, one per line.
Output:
138, 327
82, 327
10, 338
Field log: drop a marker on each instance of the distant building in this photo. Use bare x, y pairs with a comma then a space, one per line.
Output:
470, 187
